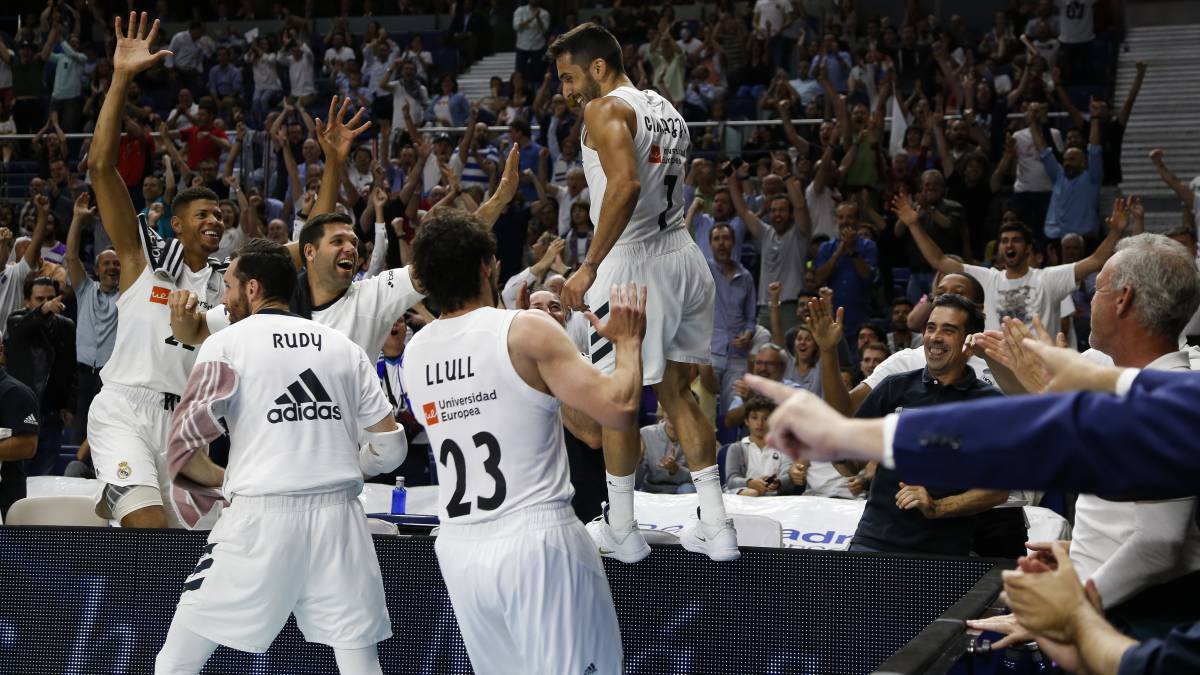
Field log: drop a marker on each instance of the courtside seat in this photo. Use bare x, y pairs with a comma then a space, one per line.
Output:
56, 510
758, 531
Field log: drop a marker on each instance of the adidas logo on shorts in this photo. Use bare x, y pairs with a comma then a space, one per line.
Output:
305, 399
30, 419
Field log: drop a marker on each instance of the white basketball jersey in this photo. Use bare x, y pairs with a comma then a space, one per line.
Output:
303, 393
146, 353
661, 146
498, 442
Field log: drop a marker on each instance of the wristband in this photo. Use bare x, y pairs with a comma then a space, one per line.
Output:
589, 263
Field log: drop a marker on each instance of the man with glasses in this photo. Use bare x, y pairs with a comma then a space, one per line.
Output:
767, 361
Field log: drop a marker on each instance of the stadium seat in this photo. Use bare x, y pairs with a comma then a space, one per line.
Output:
758, 531
59, 510
377, 526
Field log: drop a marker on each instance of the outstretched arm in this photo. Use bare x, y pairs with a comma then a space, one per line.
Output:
75, 271
1127, 107
132, 56
1168, 176
336, 137
908, 219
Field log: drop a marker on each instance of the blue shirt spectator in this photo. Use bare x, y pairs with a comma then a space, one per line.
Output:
837, 64
1076, 191
69, 65
848, 265
225, 79
736, 307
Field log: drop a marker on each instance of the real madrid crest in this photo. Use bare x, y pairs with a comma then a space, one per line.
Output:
123, 470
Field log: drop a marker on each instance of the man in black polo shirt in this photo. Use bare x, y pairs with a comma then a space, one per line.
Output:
18, 436
901, 518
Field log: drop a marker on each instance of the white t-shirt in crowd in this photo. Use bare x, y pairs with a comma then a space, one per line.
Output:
1076, 21
1040, 292
822, 211
1031, 173
824, 480
771, 15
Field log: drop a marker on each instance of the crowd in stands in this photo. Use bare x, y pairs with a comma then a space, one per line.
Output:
947, 161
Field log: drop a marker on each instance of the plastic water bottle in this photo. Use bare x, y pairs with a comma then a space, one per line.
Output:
399, 496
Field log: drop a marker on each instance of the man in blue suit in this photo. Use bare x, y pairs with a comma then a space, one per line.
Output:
1143, 446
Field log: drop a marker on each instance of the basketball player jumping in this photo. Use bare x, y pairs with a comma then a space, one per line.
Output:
127, 423
635, 147
294, 395
527, 584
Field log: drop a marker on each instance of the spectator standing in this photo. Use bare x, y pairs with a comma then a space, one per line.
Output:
733, 314
1076, 32
19, 417
419, 57
188, 50
96, 300
942, 220
1033, 186
767, 361
783, 243
470, 32
13, 277
66, 98
28, 92
225, 81
530, 154
901, 336
531, 23
1076, 185
835, 62
848, 265
449, 108
337, 55
40, 346
753, 468
664, 468
264, 67
185, 112
301, 71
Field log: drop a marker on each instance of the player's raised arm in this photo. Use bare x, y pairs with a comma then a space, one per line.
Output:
541, 348
609, 124
132, 56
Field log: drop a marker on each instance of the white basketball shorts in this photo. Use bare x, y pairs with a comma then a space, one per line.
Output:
308, 554
679, 303
530, 594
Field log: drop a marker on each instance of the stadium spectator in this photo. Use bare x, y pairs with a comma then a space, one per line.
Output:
768, 361
470, 32
189, 49
298, 57
449, 108
752, 467
902, 518
14, 276
66, 98
1076, 184
267, 87
942, 221
532, 23
901, 336
1033, 186
225, 81
664, 468
734, 315
848, 265
96, 328
416, 53
40, 347
28, 68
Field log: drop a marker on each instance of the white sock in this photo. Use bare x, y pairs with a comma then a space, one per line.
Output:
708, 488
620, 501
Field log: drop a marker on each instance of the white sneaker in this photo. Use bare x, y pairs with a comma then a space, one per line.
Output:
719, 544
628, 547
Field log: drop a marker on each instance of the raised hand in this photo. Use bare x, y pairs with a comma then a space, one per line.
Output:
379, 197
133, 54
902, 206
1156, 156
83, 210
1119, 220
336, 136
42, 204
626, 315
826, 329
509, 180
774, 289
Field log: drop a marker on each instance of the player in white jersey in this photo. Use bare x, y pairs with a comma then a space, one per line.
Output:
327, 251
635, 147
144, 378
294, 395
526, 581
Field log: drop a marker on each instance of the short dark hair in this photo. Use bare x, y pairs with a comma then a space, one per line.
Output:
1020, 228
314, 229
447, 254
586, 43
192, 194
758, 404
269, 264
30, 282
209, 107
956, 301
520, 124
902, 300
877, 347
722, 225
874, 328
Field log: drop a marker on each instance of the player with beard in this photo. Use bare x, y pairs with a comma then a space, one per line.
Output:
634, 146
527, 584
327, 251
146, 374
294, 396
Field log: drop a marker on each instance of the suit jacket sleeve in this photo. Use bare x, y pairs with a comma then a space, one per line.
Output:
1139, 444
1179, 652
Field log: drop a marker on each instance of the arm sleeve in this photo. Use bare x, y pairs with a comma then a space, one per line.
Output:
1179, 652
1095, 166
379, 251
1145, 447
372, 403
1059, 282
195, 422
1150, 556
394, 293
1053, 169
